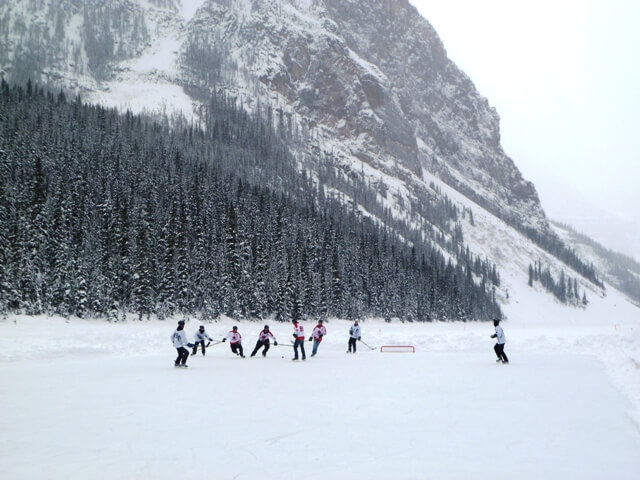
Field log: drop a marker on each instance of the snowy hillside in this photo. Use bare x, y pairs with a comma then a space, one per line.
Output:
326, 74
618, 270
102, 400
361, 97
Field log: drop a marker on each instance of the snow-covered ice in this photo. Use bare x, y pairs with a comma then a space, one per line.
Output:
90, 399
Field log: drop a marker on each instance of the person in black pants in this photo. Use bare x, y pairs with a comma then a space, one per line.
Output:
200, 338
235, 341
263, 341
500, 341
354, 335
179, 340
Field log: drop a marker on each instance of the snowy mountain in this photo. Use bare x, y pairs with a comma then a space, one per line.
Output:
370, 81
619, 270
365, 86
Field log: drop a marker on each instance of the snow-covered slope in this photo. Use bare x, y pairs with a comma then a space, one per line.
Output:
370, 83
618, 270
366, 84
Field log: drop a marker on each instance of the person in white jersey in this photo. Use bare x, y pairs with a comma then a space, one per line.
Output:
179, 340
319, 331
264, 338
235, 341
354, 335
200, 338
298, 334
500, 341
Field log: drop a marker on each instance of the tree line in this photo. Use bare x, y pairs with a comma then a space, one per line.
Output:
565, 288
104, 213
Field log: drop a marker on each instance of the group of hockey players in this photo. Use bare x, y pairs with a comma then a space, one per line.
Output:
202, 339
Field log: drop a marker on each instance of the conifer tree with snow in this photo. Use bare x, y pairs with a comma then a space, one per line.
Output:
106, 214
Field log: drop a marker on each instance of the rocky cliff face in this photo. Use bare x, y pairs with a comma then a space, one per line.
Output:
456, 127
373, 80
368, 81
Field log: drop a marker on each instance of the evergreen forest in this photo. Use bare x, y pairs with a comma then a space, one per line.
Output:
103, 214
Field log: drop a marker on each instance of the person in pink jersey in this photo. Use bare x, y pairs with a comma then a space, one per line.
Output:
235, 341
319, 331
298, 334
264, 338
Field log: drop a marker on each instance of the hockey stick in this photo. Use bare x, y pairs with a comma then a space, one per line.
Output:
214, 343
369, 346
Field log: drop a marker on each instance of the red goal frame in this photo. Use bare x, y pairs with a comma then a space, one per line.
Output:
398, 349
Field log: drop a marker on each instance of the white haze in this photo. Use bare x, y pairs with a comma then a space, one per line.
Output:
565, 81
189, 7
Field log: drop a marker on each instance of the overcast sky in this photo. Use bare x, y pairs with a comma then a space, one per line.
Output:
564, 76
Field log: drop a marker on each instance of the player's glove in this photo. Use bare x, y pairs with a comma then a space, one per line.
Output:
224, 339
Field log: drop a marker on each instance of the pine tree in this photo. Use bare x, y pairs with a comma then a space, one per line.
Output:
107, 214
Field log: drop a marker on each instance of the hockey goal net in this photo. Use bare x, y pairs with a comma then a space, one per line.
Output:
398, 349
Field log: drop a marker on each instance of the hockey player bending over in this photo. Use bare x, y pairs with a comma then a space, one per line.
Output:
200, 337
235, 341
263, 341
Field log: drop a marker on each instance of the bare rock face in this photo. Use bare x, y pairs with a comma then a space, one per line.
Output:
374, 80
368, 79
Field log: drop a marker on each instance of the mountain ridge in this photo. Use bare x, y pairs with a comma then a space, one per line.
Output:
314, 66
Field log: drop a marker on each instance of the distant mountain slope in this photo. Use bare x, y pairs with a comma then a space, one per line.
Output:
361, 92
369, 80
620, 270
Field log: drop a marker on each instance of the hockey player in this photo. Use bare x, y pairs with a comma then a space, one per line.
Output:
179, 339
354, 335
319, 331
500, 341
235, 341
298, 334
200, 337
263, 341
